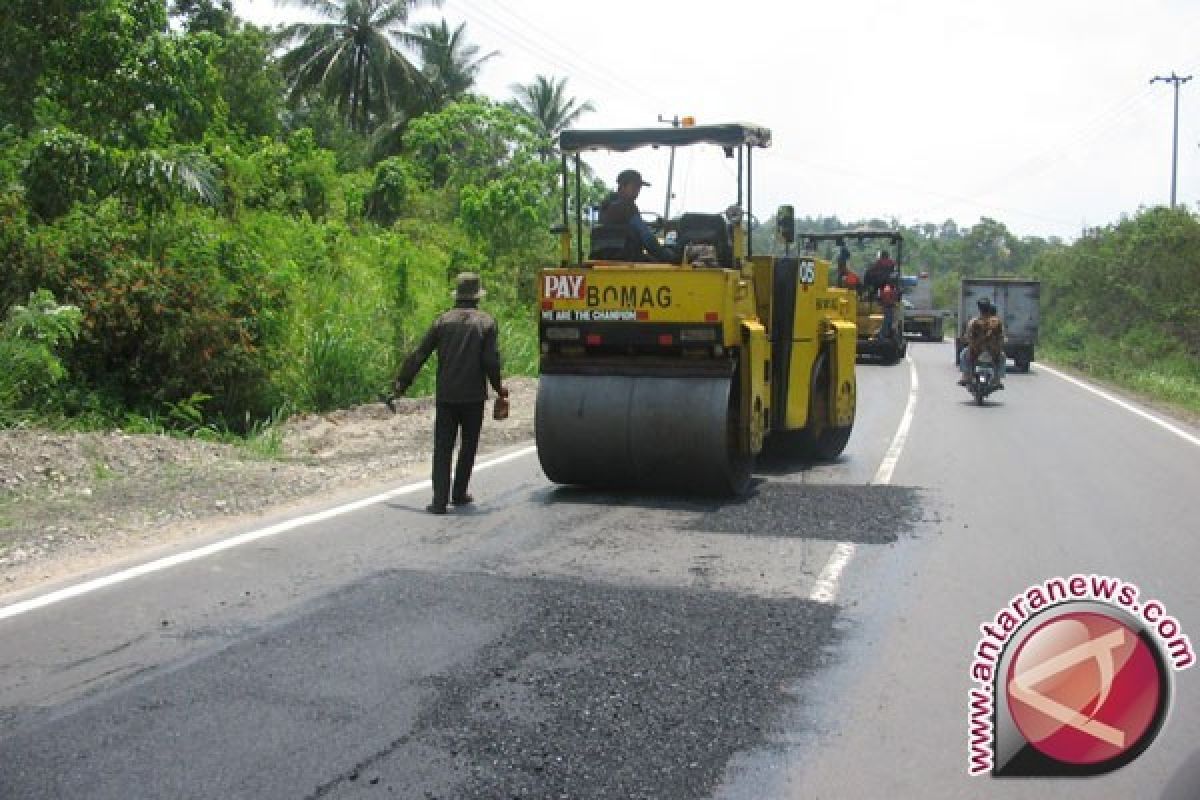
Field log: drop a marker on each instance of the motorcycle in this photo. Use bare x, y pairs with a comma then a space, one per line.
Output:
984, 378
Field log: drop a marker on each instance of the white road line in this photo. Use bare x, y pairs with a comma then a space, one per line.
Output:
161, 564
1182, 434
888, 465
826, 587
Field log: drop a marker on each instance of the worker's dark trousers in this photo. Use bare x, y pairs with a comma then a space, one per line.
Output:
450, 417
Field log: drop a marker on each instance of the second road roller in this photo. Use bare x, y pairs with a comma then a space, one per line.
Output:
672, 371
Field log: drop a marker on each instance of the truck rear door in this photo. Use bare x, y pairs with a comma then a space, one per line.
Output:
1018, 307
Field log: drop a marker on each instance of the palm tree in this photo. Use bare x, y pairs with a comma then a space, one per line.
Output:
545, 101
356, 58
449, 63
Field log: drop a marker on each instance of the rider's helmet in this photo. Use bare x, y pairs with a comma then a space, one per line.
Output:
985, 305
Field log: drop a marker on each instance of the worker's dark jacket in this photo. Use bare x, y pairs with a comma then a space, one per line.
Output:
617, 210
468, 357
880, 273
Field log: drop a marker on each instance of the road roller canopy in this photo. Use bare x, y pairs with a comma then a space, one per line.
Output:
854, 233
740, 134
857, 235
737, 139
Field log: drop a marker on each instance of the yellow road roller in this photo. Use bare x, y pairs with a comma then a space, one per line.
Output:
672, 371
876, 340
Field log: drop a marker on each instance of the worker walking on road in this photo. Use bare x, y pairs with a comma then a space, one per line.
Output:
465, 339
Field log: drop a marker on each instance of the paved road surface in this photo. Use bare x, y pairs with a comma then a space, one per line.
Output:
563, 643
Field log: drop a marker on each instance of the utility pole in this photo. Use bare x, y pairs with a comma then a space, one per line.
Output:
1174, 80
674, 123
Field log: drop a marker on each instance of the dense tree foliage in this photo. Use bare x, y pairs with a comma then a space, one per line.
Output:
1142, 273
199, 228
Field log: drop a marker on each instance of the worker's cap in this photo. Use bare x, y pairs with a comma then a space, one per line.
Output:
467, 286
631, 176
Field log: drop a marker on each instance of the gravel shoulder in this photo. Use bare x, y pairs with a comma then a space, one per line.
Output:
71, 503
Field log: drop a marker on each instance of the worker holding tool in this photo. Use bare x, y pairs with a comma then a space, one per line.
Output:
465, 339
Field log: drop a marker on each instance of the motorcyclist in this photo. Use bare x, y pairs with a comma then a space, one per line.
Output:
984, 333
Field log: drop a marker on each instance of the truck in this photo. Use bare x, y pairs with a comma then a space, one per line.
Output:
920, 316
1017, 304
674, 374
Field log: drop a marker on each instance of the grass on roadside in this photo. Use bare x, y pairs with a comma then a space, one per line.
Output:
1173, 378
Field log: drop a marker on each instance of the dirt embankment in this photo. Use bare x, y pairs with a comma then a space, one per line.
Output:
77, 501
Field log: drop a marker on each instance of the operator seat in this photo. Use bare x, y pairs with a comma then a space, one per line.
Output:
710, 229
615, 242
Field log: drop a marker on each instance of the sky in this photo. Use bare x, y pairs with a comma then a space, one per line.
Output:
1037, 113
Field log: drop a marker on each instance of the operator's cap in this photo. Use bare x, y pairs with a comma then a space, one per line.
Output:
630, 176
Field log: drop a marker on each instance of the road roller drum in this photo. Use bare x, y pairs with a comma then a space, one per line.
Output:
619, 431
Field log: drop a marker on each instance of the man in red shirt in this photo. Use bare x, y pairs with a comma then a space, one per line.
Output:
878, 277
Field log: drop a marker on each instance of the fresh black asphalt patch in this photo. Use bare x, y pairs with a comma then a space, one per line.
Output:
859, 514
423, 685
604, 692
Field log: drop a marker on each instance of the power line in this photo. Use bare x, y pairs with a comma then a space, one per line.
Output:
579, 57
1094, 129
525, 38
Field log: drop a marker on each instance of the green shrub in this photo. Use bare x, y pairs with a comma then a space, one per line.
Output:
63, 168
295, 177
165, 312
391, 191
29, 340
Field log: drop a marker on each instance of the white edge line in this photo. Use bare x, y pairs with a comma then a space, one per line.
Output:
888, 465
1182, 434
826, 587
158, 565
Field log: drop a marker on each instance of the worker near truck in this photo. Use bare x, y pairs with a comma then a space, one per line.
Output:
620, 208
465, 339
984, 333
845, 276
881, 277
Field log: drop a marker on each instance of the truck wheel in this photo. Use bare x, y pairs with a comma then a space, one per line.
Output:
1022, 360
889, 352
937, 335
